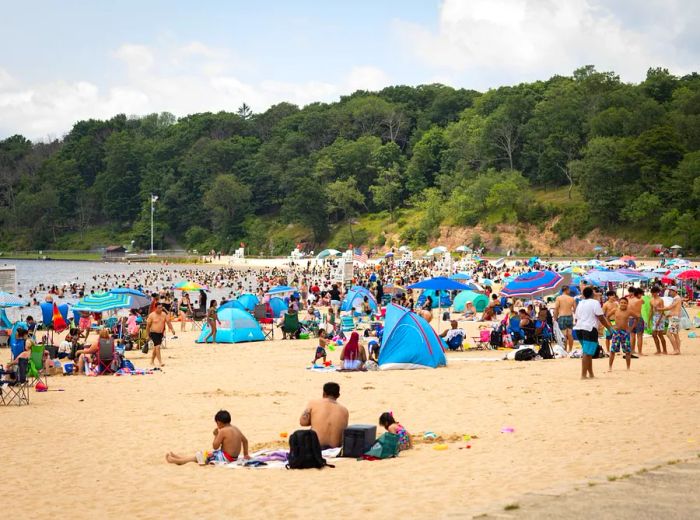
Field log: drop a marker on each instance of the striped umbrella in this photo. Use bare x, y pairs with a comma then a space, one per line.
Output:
536, 283
186, 285
10, 300
137, 299
102, 302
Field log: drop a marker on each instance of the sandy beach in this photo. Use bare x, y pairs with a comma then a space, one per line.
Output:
102, 440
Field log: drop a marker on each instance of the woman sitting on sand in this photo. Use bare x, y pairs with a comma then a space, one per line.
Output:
353, 355
470, 312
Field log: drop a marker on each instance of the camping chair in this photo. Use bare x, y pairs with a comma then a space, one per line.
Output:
37, 370
17, 390
291, 325
483, 340
264, 316
347, 324
198, 318
456, 344
105, 356
515, 331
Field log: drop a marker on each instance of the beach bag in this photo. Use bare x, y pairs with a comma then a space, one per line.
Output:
446, 316
546, 350
127, 364
305, 451
525, 354
385, 447
144, 349
496, 339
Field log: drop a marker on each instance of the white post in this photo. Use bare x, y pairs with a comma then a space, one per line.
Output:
154, 198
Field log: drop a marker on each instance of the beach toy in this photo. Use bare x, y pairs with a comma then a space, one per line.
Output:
440, 447
328, 363
41, 387
467, 438
284, 435
429, 436
508, 429
331, 347
339, 342
469, 446
692, 335
304, 335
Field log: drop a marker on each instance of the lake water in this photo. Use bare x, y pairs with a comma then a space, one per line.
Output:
32, 273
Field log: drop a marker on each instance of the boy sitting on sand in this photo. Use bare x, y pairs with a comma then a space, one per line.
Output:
227, 444
624, 322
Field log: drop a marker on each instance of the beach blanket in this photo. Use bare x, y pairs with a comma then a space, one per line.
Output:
271, 459
318, 368
133, 372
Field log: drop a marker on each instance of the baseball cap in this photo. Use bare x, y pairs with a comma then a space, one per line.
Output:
672, 288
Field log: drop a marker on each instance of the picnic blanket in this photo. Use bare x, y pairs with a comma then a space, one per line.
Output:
271, 459
319, 368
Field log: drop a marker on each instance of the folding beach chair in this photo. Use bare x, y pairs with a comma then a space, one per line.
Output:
198, 318
347, 324
263, 315
105, 356
291, 325
15, 390
483, 340
37, 370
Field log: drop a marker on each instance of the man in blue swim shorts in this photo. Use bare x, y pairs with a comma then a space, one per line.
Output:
589, 314
621, 333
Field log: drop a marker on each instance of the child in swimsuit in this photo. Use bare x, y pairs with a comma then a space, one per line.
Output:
392, 426
321, 349
227, 445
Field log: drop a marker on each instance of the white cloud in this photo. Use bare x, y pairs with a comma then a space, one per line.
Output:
181, 79
507, 41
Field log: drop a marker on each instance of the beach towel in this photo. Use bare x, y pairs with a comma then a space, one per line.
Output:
317, 368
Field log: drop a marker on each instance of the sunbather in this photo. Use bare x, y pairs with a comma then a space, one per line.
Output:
227, 445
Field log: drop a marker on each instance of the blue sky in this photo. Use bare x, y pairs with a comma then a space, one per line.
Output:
68, 60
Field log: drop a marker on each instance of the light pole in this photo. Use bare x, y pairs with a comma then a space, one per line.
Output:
154, 198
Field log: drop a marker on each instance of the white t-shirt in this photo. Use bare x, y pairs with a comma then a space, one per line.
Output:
587, 312
452, 333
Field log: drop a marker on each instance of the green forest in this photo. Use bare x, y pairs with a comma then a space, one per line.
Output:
627, 156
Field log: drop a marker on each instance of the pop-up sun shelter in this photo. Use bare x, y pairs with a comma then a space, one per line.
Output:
354, 298
409, 342
479, 300
237, 326
248, 300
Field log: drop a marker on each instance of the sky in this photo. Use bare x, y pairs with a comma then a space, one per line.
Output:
76, 59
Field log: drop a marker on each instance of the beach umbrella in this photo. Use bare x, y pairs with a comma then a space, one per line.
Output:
676, 247
635, 275
389, 255
616, 262
282, 289
440, 283
186, 285
10, 300
404, 248
102, 302
438, 250
535, 283
627, 258
573, 270
328, 252
597, 248
460, 276
486, 281
462, 249
606, 276
392, 288
137, 299
499, 262
593, 263
691, 274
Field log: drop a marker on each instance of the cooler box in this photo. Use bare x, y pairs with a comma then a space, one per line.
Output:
357, 439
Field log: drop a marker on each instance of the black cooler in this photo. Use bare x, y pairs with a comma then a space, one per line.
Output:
357, 439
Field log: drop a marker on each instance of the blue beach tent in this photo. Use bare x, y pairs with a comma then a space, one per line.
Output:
409, 342
354, 298
248, 300
4, 320
479, 300
278, 306
237, 326
231, 304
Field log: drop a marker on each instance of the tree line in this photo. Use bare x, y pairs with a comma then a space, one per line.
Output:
631, 152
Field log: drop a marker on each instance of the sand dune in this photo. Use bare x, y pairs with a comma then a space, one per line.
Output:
97, 448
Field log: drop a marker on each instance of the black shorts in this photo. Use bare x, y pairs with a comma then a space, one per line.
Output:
156, 338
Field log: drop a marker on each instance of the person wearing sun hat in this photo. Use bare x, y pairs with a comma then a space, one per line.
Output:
674, 319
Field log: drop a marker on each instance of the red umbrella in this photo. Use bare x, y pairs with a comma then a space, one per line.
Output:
691, 274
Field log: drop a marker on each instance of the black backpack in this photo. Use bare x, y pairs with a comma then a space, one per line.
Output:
525, 354
305, 451
546, 350
496, 338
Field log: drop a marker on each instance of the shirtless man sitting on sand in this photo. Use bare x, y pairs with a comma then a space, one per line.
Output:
564, 308
227, 445
327, 417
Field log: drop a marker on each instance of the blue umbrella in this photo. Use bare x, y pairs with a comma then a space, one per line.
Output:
535, 283
439, 283
102, 302
460, 276
137, 299
606, 276
10, 300
282, 289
